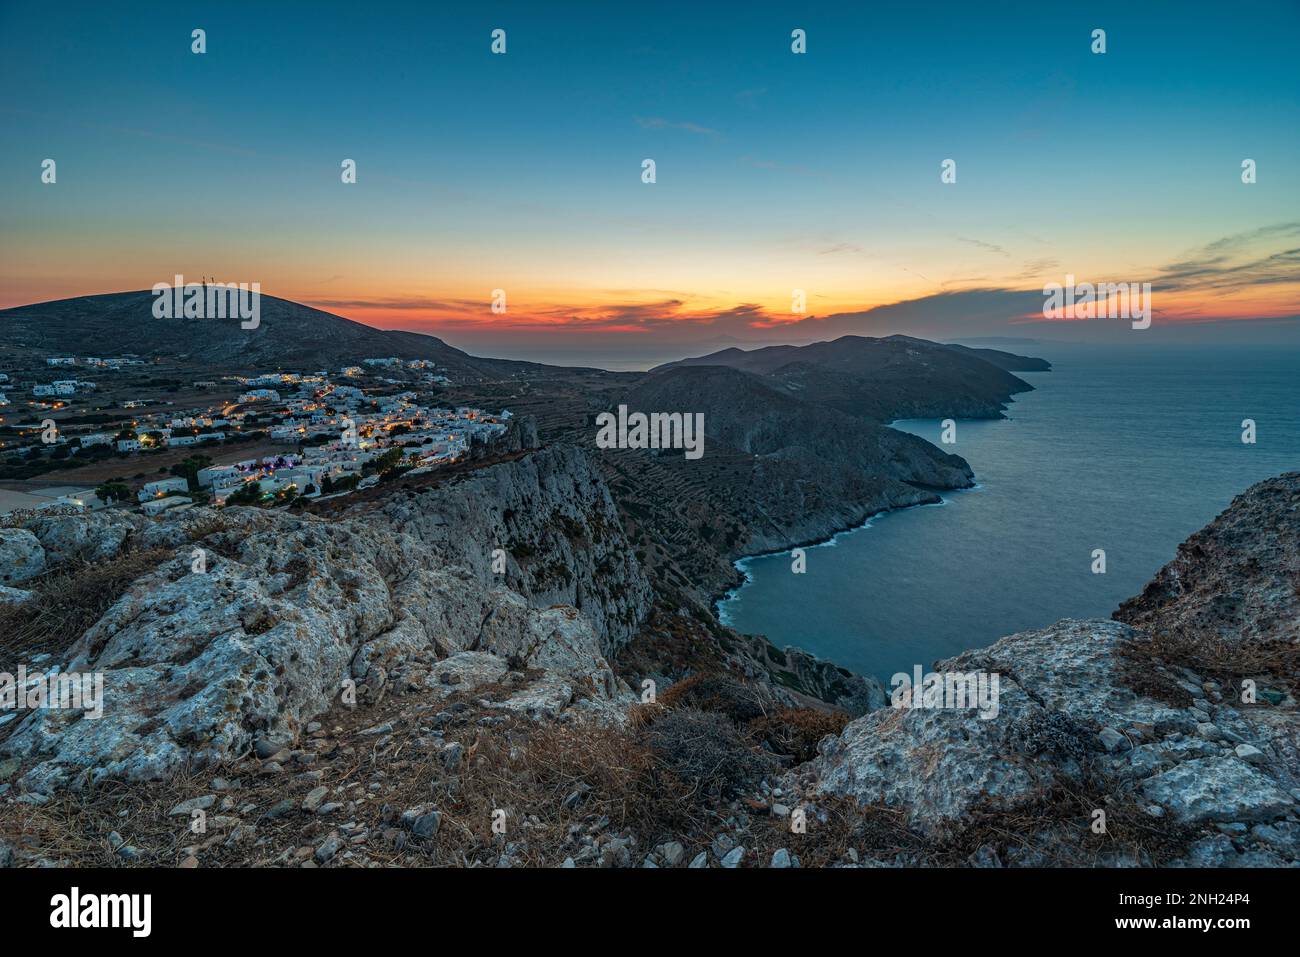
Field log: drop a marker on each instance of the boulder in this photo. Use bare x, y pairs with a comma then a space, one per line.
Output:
21, 556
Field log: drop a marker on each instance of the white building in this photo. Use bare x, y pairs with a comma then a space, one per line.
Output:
159, 505
86, 498
216, 475
162, 488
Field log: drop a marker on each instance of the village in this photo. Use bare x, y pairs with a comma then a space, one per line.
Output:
261, 438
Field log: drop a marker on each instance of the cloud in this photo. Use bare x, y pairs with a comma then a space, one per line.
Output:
991, 247
1245, 264
659, 123
777, 166
1265, 256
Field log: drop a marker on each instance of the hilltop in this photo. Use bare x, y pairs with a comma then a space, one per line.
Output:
290, 335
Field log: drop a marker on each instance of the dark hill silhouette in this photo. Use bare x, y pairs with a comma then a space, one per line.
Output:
885, 379
289, 335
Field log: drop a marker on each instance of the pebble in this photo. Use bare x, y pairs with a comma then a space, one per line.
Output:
328, 848
452, 755
672, 853
701, 860
1251, 754
1111, 739
193, 804
733, 857
315, 797
781, 858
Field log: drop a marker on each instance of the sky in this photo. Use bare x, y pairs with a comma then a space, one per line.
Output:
775, 171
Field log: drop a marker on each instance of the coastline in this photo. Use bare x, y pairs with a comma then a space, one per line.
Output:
824, 541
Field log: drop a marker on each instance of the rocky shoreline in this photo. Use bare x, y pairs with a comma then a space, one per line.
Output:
933, 498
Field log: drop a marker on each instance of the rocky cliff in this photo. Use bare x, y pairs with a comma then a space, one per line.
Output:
548, 523
253, 622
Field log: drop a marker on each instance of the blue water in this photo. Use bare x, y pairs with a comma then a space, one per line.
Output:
1126, 451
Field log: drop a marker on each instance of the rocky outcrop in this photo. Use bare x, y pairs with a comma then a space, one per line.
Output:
543, 526
1237, 579
282, 615
21, 556
87, 537
797, 676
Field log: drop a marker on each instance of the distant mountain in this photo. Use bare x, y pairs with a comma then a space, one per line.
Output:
886, 379
290, 335
777, 470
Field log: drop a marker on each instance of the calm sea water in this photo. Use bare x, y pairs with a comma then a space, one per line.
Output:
1125, 451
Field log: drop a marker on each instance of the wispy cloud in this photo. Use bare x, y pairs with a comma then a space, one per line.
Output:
659, 123
991, 247
777, 165
1265, 256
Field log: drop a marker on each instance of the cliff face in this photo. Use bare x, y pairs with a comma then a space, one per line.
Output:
558, 532
1175, 720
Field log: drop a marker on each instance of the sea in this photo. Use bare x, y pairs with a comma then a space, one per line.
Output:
1118, 451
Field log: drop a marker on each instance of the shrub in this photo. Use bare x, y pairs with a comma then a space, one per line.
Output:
703, 750
740, 702
796, 731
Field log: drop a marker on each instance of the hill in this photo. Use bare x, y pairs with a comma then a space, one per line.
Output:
289, 335
886, 379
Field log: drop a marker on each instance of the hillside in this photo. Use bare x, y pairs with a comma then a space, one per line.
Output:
289, 335
777, 471
886, 379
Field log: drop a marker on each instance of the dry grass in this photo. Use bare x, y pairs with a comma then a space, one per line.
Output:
713, 691
796, 731
1144, 660
1057, 831
67, 601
